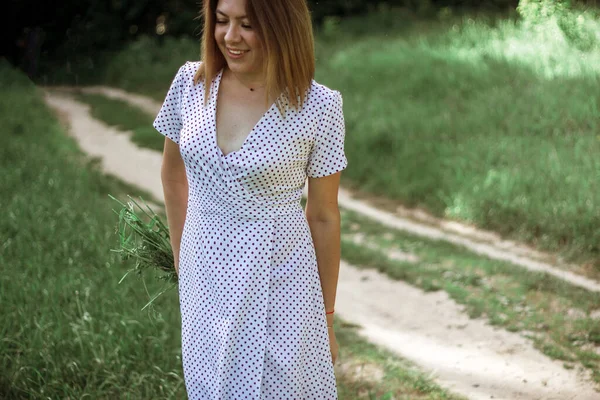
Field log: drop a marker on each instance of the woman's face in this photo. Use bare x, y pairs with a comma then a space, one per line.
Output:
237, 39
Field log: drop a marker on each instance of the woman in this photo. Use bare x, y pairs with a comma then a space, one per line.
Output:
257, 274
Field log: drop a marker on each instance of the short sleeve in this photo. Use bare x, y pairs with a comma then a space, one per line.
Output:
168, 121
328, 156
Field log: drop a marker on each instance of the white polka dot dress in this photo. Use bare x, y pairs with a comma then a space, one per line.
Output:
253, 317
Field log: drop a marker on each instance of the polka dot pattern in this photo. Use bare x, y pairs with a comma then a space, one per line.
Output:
253, 318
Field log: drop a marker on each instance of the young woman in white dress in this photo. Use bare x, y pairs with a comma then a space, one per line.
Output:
244, 130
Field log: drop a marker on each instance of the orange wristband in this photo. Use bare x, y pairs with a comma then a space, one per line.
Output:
330, 312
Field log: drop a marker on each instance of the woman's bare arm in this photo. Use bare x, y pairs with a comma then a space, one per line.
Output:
175, 189
323, 217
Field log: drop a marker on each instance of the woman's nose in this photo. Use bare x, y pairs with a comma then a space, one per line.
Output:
233, 34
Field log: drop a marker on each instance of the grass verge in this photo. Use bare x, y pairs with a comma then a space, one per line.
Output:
562, 320
121, 115
366, 371
70, 330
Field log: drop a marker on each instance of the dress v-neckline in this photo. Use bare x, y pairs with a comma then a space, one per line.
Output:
214, 113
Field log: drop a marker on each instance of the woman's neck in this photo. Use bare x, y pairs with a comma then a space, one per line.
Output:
252, 82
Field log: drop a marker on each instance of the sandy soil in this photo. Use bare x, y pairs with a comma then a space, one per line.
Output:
467, 356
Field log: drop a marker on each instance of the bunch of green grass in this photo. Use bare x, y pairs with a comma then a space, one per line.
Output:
144, 238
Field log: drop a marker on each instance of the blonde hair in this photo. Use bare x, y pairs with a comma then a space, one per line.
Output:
284, 29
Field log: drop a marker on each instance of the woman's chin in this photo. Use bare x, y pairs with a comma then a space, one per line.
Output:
240, 63
241, 67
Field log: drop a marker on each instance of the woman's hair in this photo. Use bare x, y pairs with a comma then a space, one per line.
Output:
284, 29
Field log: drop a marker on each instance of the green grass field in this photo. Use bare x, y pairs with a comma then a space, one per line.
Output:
474, 118
488, 124
69, 329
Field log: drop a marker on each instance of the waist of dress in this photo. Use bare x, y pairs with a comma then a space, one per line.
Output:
244, 211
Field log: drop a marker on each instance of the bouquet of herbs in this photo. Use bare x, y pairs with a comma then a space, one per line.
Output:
144, 238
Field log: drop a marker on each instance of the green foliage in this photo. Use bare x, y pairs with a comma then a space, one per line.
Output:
578, 25
536, 11
76, 41
142, 65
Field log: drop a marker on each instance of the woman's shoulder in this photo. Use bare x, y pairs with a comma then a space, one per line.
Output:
187, 72
319, 93
323, 99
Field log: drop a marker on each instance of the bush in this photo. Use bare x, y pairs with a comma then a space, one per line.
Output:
578, 25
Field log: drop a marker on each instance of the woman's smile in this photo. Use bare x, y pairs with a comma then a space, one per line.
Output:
235, 54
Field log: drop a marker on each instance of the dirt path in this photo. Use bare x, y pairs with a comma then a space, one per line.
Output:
467, 356
120, 157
